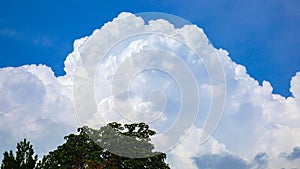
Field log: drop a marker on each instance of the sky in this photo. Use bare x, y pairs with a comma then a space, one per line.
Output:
256, 44
263, 36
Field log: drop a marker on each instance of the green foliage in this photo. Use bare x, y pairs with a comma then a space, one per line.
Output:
77, 152
80, 151
24, 159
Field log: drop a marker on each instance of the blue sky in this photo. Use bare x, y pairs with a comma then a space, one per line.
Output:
257, 128
262, 35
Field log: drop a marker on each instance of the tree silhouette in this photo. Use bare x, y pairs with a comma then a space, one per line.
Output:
24, 159
83, 150
114, 146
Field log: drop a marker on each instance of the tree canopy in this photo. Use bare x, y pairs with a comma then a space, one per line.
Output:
24, 159
91, 149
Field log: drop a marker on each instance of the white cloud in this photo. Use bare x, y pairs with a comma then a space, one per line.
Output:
37, 105
295, 86
183, 155
107, 112
33, 106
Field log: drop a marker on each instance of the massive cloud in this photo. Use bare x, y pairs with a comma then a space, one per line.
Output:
34, 105
258, 129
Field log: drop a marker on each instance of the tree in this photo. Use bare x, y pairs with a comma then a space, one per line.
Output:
24, 159
94, 149
83, 150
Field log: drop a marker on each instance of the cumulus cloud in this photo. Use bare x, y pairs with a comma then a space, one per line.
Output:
32, 105
261, 161
292, 159
295, 86
39, 106
221, 162
230, 161
186, 152
295, 154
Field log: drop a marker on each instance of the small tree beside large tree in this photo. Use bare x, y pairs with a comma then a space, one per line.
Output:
82, 150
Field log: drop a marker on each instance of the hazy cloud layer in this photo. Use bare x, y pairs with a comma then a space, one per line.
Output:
258, 129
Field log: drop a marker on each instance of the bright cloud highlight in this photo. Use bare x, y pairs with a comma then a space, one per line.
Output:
258, 129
